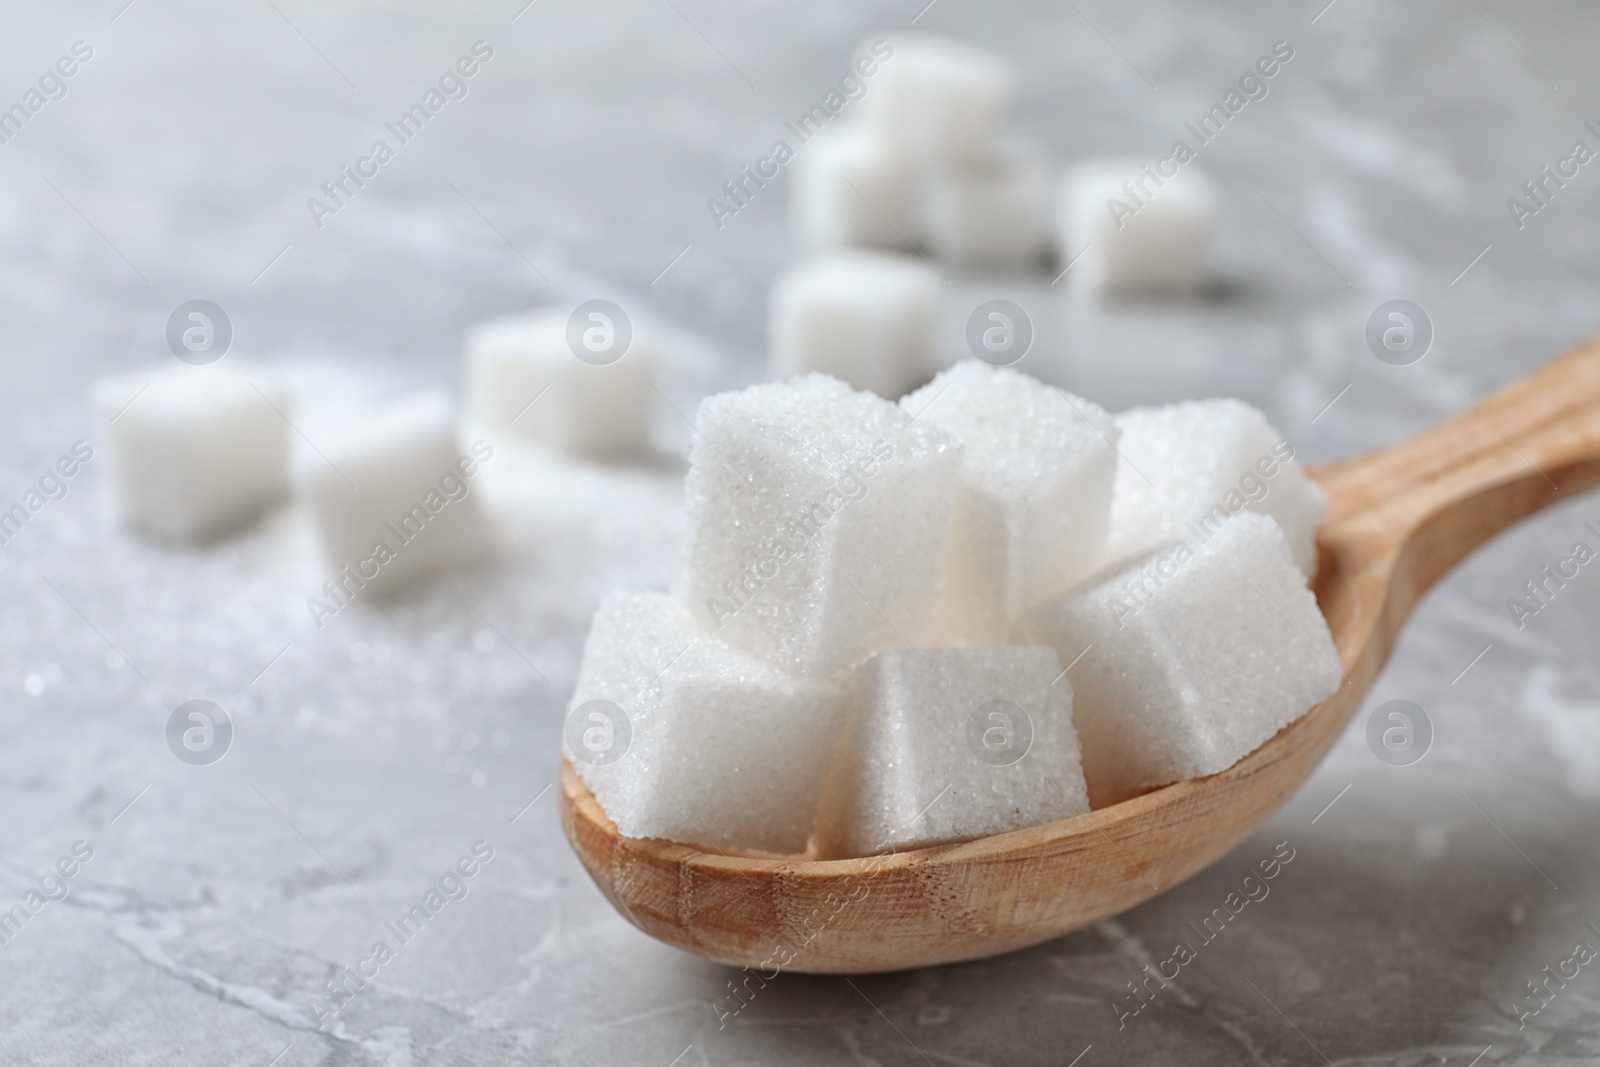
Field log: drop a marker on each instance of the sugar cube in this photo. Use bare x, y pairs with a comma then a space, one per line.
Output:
392, 497
863, 317
1190, 659
937, 98
989, 211
1186, 467
1034, 498
851, 187
525, 380
717, 748
817, 523
951, 744
193, 451
1134, 229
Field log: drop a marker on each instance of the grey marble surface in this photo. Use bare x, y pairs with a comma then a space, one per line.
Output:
371, 755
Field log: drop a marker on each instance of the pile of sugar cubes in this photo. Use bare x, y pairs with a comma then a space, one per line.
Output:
197, 452
924, 165
924, 169
988, 606
921, 172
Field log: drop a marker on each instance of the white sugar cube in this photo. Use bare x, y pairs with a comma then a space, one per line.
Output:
193, 451
1133, 229
989, 211
1186, 467
392, 497
1034, 503
862, 317
717, 749
952, 744
817, 523
525, 379
937, 98
851, 187
1191, 659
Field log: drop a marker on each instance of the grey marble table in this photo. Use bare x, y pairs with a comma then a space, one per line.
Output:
218, 902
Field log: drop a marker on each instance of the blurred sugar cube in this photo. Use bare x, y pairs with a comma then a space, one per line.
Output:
987, 211
1135, 230
936, 98
852, 187
1191, 465
193, 451
393, 496
718, 749
952, 744
863, 317
1191, 659
525, 379
817, 523
1034, 503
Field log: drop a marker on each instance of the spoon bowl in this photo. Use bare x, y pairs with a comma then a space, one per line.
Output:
1397, 520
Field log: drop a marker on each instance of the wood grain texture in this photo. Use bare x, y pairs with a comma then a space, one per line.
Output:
1398, 519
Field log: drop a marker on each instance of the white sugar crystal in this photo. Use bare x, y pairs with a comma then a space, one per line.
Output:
989, 211
862, 317
1034, 501
1133, 235
852, 187
524, 380
193, 451
1186, 467
1190, 659
938, 98
393, 497
817, 523
725, 751
952, 744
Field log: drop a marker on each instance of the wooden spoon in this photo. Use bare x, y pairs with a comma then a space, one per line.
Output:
1397, 520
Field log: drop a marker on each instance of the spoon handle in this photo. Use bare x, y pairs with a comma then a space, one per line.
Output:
1404, 515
